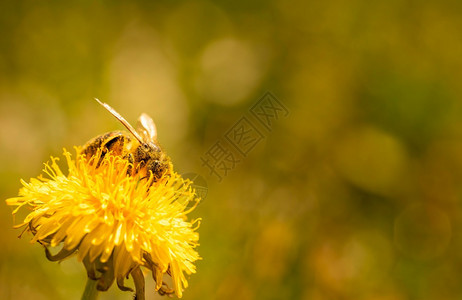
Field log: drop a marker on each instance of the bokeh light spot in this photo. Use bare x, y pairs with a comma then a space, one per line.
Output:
372, 160
422, 231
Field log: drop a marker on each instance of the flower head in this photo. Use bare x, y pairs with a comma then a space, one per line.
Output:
114, 222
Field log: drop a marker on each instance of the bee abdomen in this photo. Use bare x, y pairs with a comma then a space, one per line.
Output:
112, 141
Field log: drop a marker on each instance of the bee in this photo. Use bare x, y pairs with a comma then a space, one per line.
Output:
141, 148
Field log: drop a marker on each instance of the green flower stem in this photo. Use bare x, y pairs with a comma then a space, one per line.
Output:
90, 293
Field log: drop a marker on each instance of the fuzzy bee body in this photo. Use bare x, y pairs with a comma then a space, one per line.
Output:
114, 141
139, 147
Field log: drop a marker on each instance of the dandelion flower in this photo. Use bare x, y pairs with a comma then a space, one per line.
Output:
117, 225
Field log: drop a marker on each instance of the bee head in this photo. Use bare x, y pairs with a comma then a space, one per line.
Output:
152, 158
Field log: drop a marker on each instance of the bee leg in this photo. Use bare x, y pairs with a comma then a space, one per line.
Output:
91, 148
156, 168
111, 141
131, 161
114, 144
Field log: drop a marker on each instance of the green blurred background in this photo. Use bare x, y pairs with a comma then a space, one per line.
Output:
356, 194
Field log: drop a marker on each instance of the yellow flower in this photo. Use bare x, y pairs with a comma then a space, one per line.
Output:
115, 223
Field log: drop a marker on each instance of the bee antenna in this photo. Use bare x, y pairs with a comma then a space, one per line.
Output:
121, 120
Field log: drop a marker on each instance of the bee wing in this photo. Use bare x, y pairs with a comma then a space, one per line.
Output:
146, 128
122, 120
